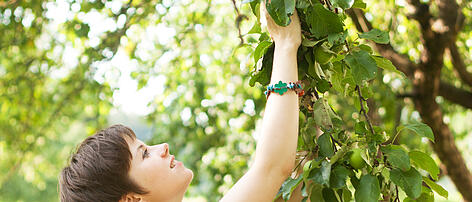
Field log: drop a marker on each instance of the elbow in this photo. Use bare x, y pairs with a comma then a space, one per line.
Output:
284, 170
287, 169
278, 171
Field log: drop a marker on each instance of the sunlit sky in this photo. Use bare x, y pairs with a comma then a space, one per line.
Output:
116, 72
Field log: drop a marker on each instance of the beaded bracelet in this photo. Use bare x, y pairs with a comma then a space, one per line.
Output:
281, 88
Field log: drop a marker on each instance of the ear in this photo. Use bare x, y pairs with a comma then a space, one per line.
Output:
131, 197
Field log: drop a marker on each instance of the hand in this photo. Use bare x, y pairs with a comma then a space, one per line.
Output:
289, 35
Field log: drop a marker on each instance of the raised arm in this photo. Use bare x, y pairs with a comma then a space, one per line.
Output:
276, 148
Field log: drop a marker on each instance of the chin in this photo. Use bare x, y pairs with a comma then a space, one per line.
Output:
188, 175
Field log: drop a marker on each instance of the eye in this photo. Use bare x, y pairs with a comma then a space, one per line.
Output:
145, 153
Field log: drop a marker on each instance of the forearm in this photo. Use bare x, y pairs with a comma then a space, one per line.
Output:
277, 146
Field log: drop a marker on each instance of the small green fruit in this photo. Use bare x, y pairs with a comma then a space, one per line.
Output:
356, 160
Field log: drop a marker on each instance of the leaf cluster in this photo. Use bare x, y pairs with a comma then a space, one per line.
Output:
332, 63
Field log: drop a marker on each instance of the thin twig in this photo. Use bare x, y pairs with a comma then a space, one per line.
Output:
362, 111
334, 142
239, 19
329, 5
406, 95
396, 198
347, 46
299, 163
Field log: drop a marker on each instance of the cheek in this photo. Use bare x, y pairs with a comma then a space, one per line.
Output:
154, 173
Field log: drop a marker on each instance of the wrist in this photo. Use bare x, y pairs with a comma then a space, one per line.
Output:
288, 42
287, 45
287, 49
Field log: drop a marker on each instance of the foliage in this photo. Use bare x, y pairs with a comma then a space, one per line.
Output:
60, 78
334, 65
59, 83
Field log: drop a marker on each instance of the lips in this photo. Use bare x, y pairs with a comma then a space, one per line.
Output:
172, 162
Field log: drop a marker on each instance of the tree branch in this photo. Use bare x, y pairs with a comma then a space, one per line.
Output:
420, 12
459, 65
400, 61
363, 111
239, 18
450, 16
455, 95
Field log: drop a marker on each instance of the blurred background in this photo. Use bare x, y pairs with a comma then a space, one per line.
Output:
174, 71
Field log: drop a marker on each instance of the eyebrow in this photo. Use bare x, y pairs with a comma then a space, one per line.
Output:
137, 150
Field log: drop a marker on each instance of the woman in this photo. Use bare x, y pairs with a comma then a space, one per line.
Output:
113, 165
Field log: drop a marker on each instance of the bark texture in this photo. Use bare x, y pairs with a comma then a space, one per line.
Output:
438, 34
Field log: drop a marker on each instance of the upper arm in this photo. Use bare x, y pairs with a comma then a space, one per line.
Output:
256, 185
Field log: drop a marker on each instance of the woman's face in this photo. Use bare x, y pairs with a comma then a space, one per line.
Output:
155, 170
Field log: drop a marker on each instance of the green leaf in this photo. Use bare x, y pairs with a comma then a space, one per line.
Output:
338, 177
368, 190
347, 195
263, 75
359, 4
261, 49
360, 128
376, 35
306, 169
319, 73
322, 85
321, 175
329, 195
425, 162
311, 69
302, 4
288, 186
397, 156
317, 193
363, 67
344, 4
409, 181
418, 128
386, 64
437, 188
280, 11
256, 8
310, 43
323, 22
366, 48
426, 196
326, 145
256, 28
321, 114
337, 38
322, 54
339, 78
308, 132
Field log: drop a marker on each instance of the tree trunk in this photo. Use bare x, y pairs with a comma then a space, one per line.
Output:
426, 86
426, 81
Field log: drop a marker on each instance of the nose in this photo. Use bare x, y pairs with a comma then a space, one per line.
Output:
165, 149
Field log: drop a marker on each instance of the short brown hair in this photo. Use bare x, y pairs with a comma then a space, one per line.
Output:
98, 171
